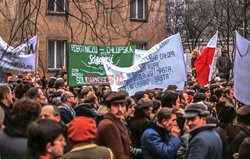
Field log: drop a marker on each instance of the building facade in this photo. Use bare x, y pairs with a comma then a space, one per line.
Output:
98, 22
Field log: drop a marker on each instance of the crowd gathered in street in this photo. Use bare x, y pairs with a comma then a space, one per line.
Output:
46, 119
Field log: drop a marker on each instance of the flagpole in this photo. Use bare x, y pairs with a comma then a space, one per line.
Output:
37, 56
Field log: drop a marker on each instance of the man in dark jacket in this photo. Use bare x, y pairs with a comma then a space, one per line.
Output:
66, 109
226, 129
112, 131
140, 120
224, 65
6, 102
203, 142
243, 124
160, 140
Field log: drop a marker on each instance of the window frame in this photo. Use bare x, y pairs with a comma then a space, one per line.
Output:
56, 7
55, 54
144, 12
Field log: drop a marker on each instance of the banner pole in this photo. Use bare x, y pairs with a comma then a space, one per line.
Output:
37, 56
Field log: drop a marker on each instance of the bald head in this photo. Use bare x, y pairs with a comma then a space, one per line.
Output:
50, 112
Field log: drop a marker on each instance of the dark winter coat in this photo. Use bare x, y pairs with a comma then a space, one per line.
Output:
227, 134
113, 134
7, 114
238, 139
204, 143
137, 125
224, 65
13, 143
156, 142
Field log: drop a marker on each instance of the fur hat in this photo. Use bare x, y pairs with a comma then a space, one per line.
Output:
195, 109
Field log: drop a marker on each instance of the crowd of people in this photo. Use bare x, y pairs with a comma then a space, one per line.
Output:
46, 119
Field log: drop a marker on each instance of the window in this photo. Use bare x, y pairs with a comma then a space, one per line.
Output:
56, 54
138, 9
141, 46
56, 6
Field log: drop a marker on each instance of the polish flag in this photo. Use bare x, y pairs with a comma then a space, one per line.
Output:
204, 63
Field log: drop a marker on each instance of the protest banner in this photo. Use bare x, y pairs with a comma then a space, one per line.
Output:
84, 63
138, 54
242, 70
160, 66
21, 58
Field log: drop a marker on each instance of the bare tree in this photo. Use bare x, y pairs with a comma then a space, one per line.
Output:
96, 21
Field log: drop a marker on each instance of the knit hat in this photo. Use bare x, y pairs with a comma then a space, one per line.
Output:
82, 129
195, 109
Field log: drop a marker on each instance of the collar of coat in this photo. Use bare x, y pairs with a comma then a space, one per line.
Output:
195, 131
163, 133
118, 122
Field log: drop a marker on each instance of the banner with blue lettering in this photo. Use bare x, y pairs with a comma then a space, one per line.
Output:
159, 67
22, 58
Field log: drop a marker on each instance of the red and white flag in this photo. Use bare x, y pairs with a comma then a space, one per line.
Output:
204, 63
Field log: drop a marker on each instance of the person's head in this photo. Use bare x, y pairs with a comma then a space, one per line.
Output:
184, 98
166, 118
195, 115
243, 115
130, 107
51, 82
50, 112
227, 115
25, 111
106, 89
170, 99
37, 95
69, 98
59, 84
6, 94
82, 129
172, 87
229, 93
156, 106
198, 97
21, 89
8, 77
146, 105
138, 95
116, 101
92, 99
206, 91
224, 53
45, 138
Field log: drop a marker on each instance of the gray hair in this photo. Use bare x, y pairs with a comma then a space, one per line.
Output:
4, 89
65, 96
